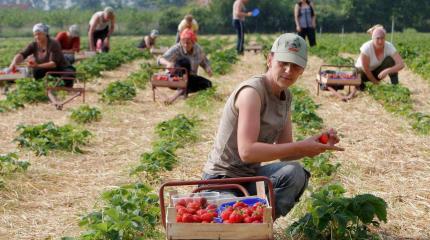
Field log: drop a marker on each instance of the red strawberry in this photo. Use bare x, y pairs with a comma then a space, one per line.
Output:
323, 138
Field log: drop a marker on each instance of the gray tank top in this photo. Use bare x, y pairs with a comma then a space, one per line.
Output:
305, 19
224, 158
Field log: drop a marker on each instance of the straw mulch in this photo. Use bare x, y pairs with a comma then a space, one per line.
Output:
47, 201
383, 156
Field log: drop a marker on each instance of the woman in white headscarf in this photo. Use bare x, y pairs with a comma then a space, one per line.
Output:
44, 54
378, 58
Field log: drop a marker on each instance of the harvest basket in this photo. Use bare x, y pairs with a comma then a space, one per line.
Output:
238, 231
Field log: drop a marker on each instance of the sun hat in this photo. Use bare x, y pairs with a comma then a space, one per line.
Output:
290, 47
74, 30
41, 27
154, 33
188, 33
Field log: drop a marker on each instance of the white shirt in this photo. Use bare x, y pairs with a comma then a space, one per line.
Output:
368, 50
100, 24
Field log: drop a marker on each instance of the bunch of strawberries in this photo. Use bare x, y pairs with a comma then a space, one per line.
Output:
195, 210
241, 212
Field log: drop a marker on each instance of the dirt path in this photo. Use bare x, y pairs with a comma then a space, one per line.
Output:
47, 201
419, 87
383, 156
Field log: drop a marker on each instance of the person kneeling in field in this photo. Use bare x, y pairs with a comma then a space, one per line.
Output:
46, 55
148, 42
378, 58
188, 54
256, 127
101, 27
70, 42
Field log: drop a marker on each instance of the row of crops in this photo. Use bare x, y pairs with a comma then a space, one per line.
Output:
140, 214
131, 211
394, 98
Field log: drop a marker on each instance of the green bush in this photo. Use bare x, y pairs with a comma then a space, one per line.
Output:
46, 137
179, 129
333, 216
303, 112
131, 212
86, 114
203, 100
118, 91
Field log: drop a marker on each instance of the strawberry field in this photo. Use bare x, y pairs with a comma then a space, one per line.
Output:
92, 171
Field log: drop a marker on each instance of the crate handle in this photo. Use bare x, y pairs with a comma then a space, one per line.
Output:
215, 182
222, 186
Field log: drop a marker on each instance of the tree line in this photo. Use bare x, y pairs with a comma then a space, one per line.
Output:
275, 16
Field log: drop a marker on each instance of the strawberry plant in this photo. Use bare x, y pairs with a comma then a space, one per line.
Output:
395, 98
203, 100
222, 61
27, 91
179, 129
9, 163
333, 216
141, 78
118, 91
161, 158
420, 122
86, 114
46, 137
131, 212
172, 135
320, 165
303, 112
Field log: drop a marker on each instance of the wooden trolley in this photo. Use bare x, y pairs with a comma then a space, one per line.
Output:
174, 78
220, 231
253, 46
334, 75
54, 83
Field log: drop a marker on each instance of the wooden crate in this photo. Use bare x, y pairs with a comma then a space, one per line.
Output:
323, 75
220, 231
223, 231
256, 48
339, 81
181, 83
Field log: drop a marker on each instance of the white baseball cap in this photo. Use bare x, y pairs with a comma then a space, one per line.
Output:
290, 47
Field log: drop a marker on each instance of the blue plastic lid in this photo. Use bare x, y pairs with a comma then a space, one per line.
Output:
249, 201
255, 12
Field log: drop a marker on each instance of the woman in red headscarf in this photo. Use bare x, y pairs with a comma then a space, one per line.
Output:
378, 58
188, 54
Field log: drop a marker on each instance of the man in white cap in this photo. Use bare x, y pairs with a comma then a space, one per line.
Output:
256, 127
102, 25
148, 42
70, 42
